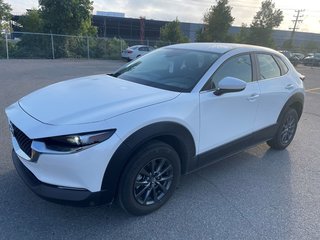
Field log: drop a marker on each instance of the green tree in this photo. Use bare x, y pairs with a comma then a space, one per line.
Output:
217, 22
71, 17
33, 45
5, 16
172, 33
288, 44
243, 35
310, 46
68, 17
267, 18
32, 21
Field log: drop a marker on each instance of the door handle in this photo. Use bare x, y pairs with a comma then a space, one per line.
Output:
253, 97
290, 86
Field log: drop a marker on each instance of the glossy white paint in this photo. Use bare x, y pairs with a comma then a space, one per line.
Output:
227, 117
90, 99
274, 93
136, 51
102, 102
231, 83
84, 169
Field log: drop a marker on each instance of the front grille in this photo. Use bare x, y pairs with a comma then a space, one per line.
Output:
22, 139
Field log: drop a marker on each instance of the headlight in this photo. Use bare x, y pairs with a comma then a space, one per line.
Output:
77, 141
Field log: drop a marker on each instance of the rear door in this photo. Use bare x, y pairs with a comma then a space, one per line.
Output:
275, 88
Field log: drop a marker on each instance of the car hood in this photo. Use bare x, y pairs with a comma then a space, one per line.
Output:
90, 99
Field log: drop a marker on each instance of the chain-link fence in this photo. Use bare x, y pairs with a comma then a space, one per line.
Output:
51, 46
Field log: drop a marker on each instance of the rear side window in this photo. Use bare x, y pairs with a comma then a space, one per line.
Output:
144, 49
283, 66
268, 66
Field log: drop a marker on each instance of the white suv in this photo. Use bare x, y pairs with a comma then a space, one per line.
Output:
131, 134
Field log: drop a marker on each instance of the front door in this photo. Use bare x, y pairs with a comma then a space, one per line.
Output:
231, 116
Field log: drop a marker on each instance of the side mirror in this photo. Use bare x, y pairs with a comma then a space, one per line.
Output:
230, 84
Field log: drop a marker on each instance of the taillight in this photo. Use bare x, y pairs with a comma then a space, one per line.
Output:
129, 51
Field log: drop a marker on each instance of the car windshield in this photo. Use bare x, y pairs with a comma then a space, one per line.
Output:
169, 68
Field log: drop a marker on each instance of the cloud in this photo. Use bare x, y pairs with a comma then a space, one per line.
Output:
154, 9
20, 6
193, 10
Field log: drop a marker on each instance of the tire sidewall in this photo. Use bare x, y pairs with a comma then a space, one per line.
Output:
137, 162
289, 112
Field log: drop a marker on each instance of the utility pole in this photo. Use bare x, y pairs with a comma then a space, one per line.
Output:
296, 21
142, 26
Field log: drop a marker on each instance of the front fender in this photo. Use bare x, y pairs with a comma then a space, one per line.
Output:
172, 133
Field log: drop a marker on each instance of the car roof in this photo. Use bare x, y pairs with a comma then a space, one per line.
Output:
219, 47
138, 46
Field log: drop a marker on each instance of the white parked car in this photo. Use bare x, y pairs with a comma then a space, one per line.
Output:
130, 135
135, 51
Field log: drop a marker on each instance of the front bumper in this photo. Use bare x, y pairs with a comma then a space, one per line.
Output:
63, 176
71, 196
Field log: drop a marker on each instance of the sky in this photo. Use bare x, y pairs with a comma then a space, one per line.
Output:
193, 10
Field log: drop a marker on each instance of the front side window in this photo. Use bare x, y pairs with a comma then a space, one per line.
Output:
268, 66
238, 67
169, 68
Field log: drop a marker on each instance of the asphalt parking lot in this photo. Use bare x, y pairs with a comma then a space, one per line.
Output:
257, 194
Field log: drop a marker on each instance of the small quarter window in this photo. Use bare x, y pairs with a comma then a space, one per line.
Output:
283, 66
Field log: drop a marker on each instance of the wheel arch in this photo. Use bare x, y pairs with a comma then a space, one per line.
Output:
174, 134
296, 102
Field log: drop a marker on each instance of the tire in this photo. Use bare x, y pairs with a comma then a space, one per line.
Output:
149, 179
286, 131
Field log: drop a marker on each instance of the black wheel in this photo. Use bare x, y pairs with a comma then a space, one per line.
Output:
149, 179
286, 131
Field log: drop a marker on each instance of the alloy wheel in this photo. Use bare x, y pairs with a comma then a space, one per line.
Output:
288, 129
153, 181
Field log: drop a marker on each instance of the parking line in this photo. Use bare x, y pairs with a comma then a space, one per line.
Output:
312, 89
